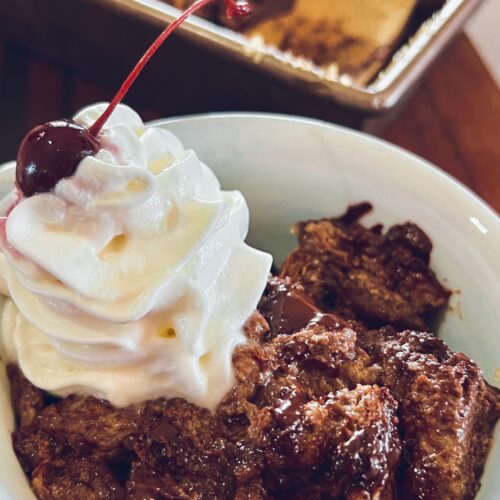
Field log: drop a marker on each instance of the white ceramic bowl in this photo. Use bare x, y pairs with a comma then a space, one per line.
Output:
291, 169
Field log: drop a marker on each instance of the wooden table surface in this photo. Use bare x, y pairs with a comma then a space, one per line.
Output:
452, 120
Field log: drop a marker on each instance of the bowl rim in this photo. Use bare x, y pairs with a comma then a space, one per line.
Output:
429, 167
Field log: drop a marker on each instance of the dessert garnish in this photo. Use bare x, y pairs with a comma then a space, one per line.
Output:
128, 275
52, 151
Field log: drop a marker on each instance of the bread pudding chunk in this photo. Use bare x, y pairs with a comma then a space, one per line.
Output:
365, 274
447, 412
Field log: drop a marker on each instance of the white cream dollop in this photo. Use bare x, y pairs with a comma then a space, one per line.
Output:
131, 280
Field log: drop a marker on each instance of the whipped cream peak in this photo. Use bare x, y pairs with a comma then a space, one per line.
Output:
131, 278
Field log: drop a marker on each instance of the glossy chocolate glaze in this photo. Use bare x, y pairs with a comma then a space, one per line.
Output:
288, 310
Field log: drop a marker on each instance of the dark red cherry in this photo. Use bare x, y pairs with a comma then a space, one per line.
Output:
51, 152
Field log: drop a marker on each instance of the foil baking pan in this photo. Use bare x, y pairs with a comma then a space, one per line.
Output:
389, 87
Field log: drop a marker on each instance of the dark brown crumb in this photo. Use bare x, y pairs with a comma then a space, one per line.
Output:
27, 400
78, 478
102, 435
185, 453
365, 275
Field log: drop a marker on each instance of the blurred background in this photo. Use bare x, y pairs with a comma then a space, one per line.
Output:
423, 74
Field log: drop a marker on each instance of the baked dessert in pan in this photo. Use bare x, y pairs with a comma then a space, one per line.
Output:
354, 38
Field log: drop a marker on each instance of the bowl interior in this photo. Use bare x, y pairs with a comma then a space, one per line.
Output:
291, 169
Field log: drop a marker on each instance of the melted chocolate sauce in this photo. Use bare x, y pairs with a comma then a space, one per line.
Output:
287, 310
290, 402
165, 432
51, 152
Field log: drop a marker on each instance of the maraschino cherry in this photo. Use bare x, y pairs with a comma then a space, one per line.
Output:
52, 151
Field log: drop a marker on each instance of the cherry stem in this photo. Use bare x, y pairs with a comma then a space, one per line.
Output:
96, 128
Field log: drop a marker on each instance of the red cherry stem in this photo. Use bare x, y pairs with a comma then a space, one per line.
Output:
233, 7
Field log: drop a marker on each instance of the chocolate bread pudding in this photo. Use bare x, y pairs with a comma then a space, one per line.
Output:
366, 275
338, 394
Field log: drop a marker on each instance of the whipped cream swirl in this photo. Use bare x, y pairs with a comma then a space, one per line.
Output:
131, 280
